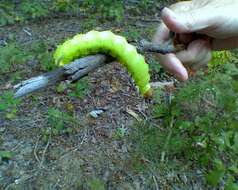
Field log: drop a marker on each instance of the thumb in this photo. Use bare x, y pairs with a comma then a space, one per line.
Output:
189, 21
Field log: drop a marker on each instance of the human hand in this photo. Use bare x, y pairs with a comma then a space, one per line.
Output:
203, 26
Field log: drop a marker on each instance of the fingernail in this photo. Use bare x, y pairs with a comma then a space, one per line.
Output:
182, 74
177, 19
167, 12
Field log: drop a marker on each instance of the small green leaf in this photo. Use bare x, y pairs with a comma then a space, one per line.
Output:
214, 177
230, 185
96, 184
61, 87
234, 169
6, 154
11, 115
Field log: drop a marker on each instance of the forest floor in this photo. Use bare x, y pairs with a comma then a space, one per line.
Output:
88, 153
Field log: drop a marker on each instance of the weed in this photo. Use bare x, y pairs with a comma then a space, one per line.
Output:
34, 9
59, 122
39, 50
141, 6
5, 155
154, 66
11, 57
64, 5
198, 124
120, 133
26, 10
8, 105
219, 58
61, 87
106, 8
7, 15
80, 88
131, 34
95, 184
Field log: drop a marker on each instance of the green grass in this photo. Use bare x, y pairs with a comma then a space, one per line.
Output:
11, 57
196, 127
8, 105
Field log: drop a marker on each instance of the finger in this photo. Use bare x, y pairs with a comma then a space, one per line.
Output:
189, 21
185, 38
161, 35
174, 66
169, 61
197, 54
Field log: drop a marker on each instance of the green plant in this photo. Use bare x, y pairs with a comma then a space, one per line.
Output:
64, 5
6, 155
8, 105
145, 4
39, 51
120, 133
59, 122
95, 184
148, 6
154, 66
131, 34
7, 14
108, 9
12, 12
80, 88
11, 57
34, 9
219, 58
24, 10
198, 125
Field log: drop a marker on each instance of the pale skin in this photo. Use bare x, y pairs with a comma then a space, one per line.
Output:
203, 26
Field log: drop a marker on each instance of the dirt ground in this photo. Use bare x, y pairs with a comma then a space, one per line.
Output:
92, 156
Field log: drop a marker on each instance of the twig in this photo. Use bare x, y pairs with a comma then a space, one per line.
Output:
44, 152
156, 183
74, 149
27, 32
35, 149
157, 20
168, 138
155, 85
145, 46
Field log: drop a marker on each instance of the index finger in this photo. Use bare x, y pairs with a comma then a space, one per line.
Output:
169, 61
162, 34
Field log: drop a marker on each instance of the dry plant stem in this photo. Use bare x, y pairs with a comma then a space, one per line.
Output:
168, 138
145, 46
80, 68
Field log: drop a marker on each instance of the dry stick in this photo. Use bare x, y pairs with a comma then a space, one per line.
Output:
145, 46
73, 71
80, 68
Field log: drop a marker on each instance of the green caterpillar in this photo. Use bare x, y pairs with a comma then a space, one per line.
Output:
106, 42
